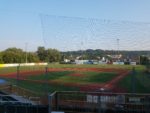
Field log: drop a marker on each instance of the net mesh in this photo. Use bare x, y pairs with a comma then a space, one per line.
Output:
73, 33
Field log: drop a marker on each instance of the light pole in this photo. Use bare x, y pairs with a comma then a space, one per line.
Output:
26, 45
118, 47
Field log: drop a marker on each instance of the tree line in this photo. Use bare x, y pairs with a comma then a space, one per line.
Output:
16, 55
95, 54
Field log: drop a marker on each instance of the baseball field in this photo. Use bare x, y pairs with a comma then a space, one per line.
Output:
70, 77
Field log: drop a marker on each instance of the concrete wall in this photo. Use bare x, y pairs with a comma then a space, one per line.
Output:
23, 64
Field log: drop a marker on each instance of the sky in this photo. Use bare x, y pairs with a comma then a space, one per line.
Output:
75, 24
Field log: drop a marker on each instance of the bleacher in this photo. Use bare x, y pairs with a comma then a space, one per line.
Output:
18, 104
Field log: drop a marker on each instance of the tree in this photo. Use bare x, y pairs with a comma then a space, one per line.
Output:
41, 52
52, 55
1, 57
15, 50
49, 55
144, 60
32, 57
13, 55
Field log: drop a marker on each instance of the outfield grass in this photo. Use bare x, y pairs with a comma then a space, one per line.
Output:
6, 70
32, 68
139, 67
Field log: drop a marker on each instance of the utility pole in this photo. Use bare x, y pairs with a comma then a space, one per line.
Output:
26, 45
118, 47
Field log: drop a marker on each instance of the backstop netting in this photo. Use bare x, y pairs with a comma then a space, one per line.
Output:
73, 33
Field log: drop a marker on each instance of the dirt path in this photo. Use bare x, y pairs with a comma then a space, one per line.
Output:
113, 83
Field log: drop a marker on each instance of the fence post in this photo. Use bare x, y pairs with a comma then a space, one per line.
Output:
46, 80
55, 98
133, 80
49, 103
18, 73
17, 79
147, 98
57, 101
99, 104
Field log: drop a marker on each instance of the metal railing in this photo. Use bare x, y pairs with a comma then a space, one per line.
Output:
99, 102
17, 104
24, 93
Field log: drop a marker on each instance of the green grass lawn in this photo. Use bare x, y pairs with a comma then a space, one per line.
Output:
41, 88
21, 68
139, 67
32, 68
8, 70
86, 77
50, 75
142, 82
91, 77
